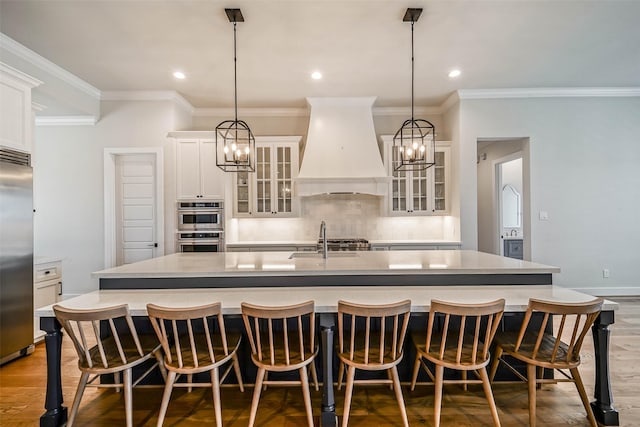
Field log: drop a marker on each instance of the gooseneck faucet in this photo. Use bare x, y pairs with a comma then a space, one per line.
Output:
323, 238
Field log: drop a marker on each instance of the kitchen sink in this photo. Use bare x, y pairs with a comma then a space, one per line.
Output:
317, 255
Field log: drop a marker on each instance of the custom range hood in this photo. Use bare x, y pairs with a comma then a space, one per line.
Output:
341, 154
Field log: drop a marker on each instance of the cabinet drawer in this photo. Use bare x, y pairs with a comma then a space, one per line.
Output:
46, 293
47, 271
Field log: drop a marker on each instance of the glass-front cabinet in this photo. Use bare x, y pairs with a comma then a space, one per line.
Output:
422, 192
269, 190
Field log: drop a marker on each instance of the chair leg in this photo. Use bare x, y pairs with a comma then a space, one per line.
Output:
463, 377
266, 378
583, 396
396, 385
117, 379
215, 387
416, 368
390, 378
189, 381
166, 396
314, 375
437, 398
351, 373
340, 374
236, 369
256, 395
128, 398
531, 381
489, 393
84, 378
160, 359
495, 363
304, 379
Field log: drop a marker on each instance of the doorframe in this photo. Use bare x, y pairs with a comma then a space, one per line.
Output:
110, 155
497, 198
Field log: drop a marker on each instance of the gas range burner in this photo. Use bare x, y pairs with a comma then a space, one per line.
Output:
346, 244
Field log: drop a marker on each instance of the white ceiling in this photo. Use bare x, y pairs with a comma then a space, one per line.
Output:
361, 46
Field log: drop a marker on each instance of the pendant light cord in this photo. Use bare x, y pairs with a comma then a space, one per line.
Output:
235, 74
412, 72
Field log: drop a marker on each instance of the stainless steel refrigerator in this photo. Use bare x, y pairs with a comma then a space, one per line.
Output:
16, 255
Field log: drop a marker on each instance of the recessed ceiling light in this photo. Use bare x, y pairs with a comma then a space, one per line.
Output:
316, 75
179, 75
454, 73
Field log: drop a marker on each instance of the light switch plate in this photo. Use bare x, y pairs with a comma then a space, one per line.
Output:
544, 216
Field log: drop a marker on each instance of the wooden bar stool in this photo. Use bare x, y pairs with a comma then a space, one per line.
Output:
282, 339
194, 340
535, 345
378, 349
460, 345
115, 353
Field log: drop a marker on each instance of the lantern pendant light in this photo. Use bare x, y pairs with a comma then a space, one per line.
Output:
415, 141
235, 144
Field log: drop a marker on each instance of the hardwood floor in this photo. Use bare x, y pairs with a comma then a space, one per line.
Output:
22, 390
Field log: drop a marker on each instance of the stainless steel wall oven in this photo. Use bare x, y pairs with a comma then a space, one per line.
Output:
200, 226
200, 215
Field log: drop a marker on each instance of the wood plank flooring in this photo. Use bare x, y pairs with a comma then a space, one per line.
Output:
22, 390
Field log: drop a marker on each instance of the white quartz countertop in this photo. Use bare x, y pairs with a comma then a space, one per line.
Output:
38, 260
244, 264
326, 298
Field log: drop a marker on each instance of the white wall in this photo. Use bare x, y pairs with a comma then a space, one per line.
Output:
584, 156
68, 183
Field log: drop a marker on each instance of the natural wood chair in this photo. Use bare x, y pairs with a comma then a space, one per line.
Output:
535, 345
282, 339
460, 345
378, 349
194, 340
102, 353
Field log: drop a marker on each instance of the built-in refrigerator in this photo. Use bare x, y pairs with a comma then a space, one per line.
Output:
16, 255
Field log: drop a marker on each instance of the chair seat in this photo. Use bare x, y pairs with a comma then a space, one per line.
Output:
203, 357
544, 355
296, 358
449, 358
374, 363
149, 344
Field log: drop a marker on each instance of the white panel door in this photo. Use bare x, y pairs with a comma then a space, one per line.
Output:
135, 208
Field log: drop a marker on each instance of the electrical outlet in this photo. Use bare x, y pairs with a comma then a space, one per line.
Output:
605, 273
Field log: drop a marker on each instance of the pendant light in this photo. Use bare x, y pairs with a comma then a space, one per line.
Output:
415, 141
235, 144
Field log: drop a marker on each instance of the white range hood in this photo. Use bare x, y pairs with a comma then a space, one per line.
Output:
341, 154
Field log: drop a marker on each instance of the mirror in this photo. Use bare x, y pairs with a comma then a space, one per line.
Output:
510, 207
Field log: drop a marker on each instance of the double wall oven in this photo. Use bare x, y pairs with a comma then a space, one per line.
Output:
200, 226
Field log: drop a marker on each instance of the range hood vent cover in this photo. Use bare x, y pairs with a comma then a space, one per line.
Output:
341, 154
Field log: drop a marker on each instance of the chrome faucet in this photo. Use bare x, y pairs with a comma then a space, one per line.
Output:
323, 239
513, 231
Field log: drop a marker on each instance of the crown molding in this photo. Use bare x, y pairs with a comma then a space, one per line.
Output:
148, 95
19, 75
252, 112
47, 66
568, 92
65, 120
405, 111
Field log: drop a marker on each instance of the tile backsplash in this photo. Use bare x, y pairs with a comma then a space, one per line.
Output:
346, 215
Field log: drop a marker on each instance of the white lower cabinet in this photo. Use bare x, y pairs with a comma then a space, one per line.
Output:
47, 289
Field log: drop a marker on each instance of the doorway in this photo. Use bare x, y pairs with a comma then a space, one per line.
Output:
134, 205
503, 199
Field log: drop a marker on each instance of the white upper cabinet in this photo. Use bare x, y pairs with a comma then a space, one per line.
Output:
16, 116
269, 191
197, 175
424, 192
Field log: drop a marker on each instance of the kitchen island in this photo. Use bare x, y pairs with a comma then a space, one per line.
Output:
285, 278
365, 268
